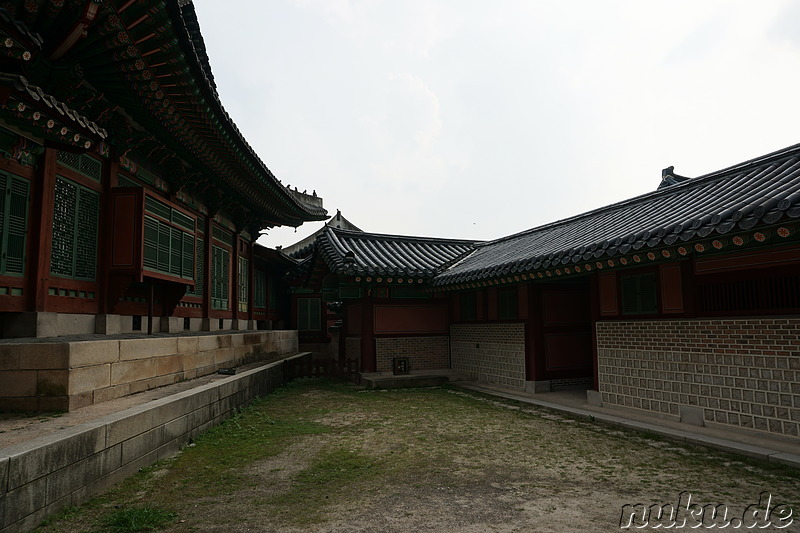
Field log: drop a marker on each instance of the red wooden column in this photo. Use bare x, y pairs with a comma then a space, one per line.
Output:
368, 360
251, 275
106, 234
534, 339
594, 309
234, 278
42, 230
207, 269
689, 288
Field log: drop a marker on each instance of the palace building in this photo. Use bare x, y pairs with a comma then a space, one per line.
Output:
130, 200
683, 302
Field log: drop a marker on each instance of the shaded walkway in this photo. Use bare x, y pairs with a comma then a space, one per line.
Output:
770, 448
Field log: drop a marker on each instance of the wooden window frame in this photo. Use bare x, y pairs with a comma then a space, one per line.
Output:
13, 231
313, 306
80, 237
633, 282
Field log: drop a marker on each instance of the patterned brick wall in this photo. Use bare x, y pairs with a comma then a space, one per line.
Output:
739, 372
493, 353
424, 353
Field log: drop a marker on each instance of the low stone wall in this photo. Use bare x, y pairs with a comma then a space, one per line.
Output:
41, 477
491, 353
423, 353
737, 372
57, 376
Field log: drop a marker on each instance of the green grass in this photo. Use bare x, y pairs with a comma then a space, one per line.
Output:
135, 519
211, 465
333, 472
316, 451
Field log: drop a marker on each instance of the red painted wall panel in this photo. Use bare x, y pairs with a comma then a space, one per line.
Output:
568, 351
564, 307
608, 294
123, 251
671, 288
390, 319
354, 319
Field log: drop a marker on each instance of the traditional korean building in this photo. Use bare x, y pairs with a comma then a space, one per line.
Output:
305, 247
130, 200
684, 301
381, 285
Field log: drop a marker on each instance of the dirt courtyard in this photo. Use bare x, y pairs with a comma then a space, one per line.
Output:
319, 456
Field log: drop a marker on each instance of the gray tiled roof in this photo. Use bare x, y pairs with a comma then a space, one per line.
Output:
303, 248
759, 192
359, 253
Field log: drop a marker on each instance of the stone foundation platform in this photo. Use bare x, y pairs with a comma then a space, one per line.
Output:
60, 375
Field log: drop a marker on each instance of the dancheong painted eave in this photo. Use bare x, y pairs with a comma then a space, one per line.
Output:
744, 198
138, 71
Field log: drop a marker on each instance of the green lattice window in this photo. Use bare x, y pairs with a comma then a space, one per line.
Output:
309, 315
260, 289
146, 176
160, 209
219, 277
14, 196
639, 294
75, 222
167, 249
244, 284
199, 272
222, 235
84, 164
125, 181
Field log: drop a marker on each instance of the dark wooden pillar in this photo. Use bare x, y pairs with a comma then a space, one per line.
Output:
689, 288
234, 278
368, 359
594, 309
207, 268
42, 229
535, 366
491, 303
480, 305
251, 276
106, 234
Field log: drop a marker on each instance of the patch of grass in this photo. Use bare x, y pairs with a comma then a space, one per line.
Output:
134, 519
317, 453
212, 465
333, 474
64, 514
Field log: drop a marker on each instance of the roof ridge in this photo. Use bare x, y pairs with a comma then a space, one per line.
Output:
406, 238
666, 191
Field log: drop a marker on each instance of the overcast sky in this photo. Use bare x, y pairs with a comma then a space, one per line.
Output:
479, 119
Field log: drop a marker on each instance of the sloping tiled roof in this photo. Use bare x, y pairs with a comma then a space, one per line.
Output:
297, 207
305, 247
358, 253
761, 191
136, 75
